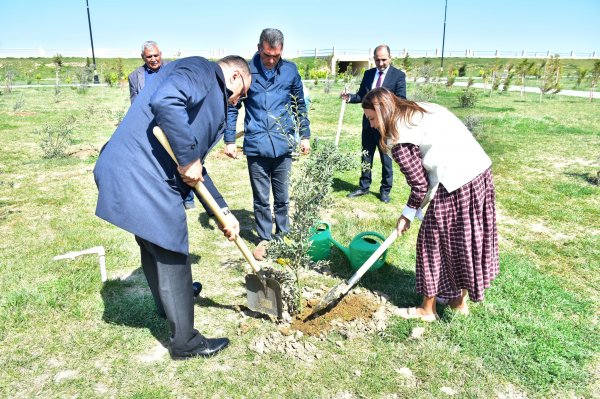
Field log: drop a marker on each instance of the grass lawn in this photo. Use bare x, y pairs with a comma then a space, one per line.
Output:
65, 334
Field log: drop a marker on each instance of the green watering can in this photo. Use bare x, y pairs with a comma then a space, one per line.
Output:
320, 246
361, 248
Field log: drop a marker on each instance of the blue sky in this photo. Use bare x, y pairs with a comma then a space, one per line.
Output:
508, 25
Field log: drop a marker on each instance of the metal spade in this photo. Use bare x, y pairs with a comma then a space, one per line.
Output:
338, 292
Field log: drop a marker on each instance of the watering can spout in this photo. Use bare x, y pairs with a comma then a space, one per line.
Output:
342, 248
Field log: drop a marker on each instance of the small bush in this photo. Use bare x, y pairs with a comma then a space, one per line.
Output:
423, 92
56, 138
467, 98
19, 104
475, 125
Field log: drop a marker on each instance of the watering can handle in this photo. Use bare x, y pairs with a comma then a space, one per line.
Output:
319, 223
373, 258
374, 234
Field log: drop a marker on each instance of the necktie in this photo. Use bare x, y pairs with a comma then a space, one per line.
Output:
379, 79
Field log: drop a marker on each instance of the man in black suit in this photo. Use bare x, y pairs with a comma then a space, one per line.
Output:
383, 75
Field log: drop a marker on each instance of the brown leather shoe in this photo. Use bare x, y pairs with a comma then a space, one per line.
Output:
260, 252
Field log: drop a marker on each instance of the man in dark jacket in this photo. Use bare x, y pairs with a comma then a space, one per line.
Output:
383, 75
141, 189
275, 102
143, 75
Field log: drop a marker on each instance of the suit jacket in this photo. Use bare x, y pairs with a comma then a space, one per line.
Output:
137, 80
395, 81
139, 188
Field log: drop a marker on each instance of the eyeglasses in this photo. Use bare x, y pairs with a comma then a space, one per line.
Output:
244, 93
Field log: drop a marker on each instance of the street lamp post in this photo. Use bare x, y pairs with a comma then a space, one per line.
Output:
444, 36
92, 40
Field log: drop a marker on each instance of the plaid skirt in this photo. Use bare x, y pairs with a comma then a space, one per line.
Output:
457, 245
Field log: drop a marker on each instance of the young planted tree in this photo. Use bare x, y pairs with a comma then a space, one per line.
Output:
311, 182
452, 72
58, 63
580, 74
508, 77
551, 75
595, 77
523, 69
406, 64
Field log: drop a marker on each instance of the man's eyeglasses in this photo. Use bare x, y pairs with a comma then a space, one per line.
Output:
244, 93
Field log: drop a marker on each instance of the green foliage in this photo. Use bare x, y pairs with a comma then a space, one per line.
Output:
467, 98
595, 77
551, 75
423, 92
475, 125
111, 78
119, 68
310, 184
462, 70
9, 77
56, 138
19, 104
406, 64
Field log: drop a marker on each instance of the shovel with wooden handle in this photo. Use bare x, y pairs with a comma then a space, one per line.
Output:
341, 119
338, 292
264, 294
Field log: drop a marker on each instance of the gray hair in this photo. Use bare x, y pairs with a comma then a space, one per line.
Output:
148, 45
382, 46
273, 37
235, 61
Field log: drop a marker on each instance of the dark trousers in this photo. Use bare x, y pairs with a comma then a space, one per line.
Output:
170, 279
266, 174
370, 141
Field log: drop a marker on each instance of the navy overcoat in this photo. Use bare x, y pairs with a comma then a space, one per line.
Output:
139, 188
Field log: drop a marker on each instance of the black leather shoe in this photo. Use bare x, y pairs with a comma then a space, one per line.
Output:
197, 287
385, 198
208, 347
357, 193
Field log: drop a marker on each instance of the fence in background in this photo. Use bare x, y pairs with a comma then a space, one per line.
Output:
316, 52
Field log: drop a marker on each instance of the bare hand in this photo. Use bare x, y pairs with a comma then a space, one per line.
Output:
305, 146
402, 225
231, 229
231, 150
345, 96
191, 174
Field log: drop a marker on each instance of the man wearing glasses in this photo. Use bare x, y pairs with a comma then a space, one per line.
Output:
140, 188
275, 101
143, 75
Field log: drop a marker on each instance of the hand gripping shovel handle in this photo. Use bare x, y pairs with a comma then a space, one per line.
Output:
206, 196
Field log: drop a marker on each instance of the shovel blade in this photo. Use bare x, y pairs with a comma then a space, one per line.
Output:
264, 295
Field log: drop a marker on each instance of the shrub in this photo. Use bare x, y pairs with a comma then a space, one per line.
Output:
56, 138
475, 125
310, 184
467, 98
423, 92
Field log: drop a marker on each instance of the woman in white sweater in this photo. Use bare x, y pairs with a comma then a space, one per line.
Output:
448, 171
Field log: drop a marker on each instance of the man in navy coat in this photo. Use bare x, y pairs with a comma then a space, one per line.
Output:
383, 75
141, 189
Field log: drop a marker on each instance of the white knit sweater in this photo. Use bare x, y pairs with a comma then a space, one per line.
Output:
449, 152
